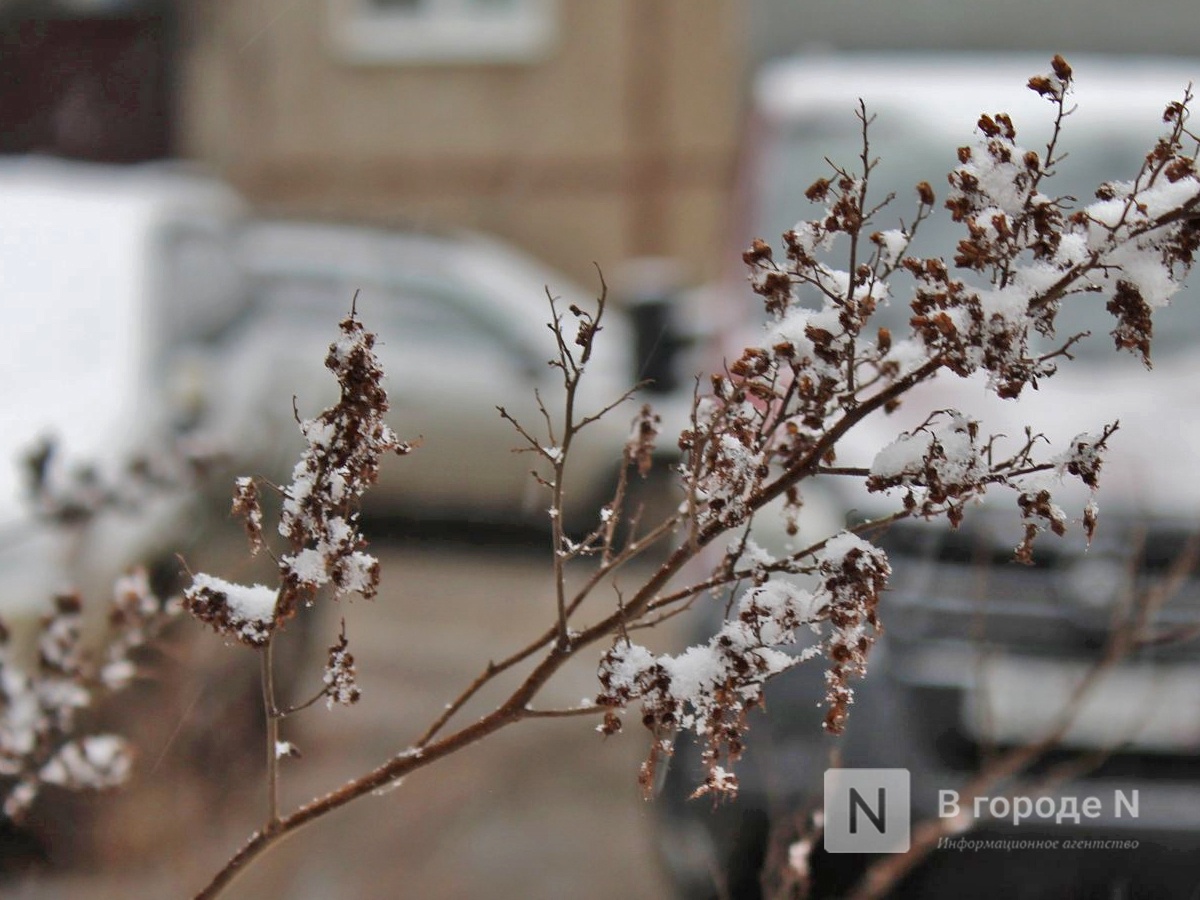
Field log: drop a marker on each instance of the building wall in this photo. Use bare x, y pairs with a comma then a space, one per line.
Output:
619, 144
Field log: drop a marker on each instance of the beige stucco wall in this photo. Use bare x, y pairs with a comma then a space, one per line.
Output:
621, 143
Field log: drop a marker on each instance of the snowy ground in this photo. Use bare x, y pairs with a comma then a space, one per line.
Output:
548, 810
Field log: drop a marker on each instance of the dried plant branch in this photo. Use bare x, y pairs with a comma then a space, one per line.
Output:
563, 713
272, 716
775, 419
40, 729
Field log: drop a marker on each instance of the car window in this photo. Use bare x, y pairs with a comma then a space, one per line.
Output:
203, 285
413, 311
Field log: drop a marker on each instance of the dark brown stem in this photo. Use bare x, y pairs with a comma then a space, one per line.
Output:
271, 714
512, 710
573, 712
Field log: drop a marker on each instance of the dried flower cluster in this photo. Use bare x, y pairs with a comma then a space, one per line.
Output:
345, 444
341, 685
780, 413
709, 689
73, 495
243, 612
43, 700
1133, 244
639, 450
319, 518
40, 709
777, 418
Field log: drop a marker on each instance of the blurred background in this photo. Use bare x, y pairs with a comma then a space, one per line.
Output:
191, 191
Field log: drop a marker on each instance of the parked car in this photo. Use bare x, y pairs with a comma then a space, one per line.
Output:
938, 699
462, 327
110, 277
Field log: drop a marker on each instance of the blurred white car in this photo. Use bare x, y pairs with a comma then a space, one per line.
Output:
936, 699
108, 276
462, 328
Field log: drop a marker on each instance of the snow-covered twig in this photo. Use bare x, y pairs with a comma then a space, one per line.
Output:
774, 421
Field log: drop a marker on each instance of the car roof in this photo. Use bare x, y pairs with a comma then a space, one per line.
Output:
945, 93
282, 245
511, 280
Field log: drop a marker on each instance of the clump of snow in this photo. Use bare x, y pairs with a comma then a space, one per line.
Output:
942, 458
791, 329
308, 567
285, 749
246, 612
252, 603
97, 761
798, 853
812, 238
117, 674
903, 457
892, 243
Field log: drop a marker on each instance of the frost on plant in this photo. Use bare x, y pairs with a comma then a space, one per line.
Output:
40, 708
778, 416
776, 419
708, 689
341, 685
245, 613
319, 517
345, 444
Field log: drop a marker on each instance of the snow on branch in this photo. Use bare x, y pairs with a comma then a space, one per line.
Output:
40, 707
776, 419
319, 516
779, 414
708, 689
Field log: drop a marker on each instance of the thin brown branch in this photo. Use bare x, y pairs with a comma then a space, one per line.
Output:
571, 713
271, 715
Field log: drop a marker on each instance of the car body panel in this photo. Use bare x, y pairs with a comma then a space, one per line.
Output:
95, 264
462, 329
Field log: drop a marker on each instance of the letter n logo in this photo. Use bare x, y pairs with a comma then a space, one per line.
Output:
878, 815
867, 810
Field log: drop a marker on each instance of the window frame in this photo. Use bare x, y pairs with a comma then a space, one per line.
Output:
442, 32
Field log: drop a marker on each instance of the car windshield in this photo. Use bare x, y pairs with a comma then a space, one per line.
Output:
797, 159
420, 313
